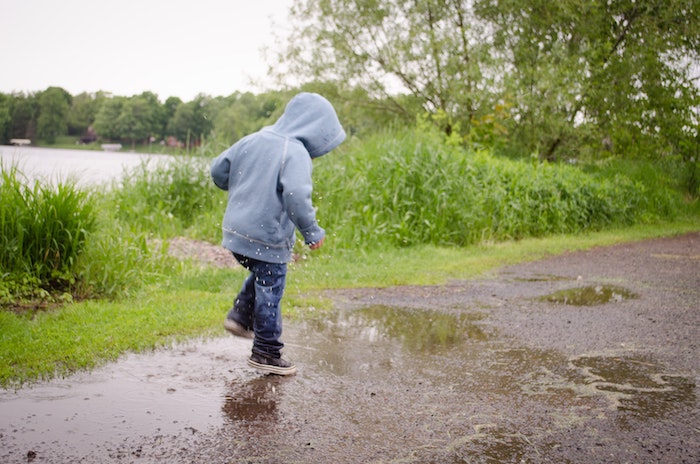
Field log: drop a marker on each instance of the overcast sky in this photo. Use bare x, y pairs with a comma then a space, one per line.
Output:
169, 47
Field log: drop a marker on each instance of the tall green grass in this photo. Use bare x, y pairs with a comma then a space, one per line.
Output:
60, 242
169, 198
43, 231
394, 189
410, 188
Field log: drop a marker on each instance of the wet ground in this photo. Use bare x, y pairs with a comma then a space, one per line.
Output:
589, 357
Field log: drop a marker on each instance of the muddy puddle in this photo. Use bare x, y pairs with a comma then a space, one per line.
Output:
590, 295
376, 384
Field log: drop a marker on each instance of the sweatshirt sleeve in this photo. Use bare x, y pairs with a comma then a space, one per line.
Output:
220, 168
295, 179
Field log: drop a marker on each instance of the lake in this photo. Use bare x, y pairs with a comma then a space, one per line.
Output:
84, 167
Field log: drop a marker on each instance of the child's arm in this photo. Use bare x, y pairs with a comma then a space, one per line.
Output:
220, 168
295, 179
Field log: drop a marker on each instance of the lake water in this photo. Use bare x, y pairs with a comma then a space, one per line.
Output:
84, 167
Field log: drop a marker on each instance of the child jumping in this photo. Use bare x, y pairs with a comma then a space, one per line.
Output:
268, 178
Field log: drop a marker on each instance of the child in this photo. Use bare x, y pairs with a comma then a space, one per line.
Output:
268, 178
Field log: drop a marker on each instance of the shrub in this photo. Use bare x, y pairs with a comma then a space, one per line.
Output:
410, 187
168, 197
43, 230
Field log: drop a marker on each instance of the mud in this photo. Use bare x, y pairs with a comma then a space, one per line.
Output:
486, 371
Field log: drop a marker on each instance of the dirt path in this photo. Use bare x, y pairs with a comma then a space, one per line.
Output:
496, 370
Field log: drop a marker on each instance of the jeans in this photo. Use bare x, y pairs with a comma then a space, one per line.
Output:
257, 306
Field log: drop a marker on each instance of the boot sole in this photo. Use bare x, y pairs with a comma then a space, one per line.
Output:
272, 369
238, 330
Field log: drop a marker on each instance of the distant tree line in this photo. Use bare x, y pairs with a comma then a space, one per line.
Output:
44, 116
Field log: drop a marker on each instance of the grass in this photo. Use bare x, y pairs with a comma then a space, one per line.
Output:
82, 335
43, 231
407, 189
433, 265
402, 209
43, 344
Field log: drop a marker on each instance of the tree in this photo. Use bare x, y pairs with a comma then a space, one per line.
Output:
157, 114
191, 121
25, 108
54, 103
243, 113
534, 76
132, 124
83, 111
106, 119
436, 50
5, 117
613, 70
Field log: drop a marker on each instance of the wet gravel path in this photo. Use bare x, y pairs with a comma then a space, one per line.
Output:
495, 370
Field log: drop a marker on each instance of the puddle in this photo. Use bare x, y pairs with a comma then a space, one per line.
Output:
379, 384
418, 331
590, 295
637, 385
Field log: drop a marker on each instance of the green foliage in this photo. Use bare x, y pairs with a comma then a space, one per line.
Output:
83, 112
107, 117
43, 231
166, 197
191, 122
523, 76
117, 262
5, 118
245, 113
54, 103
411, 188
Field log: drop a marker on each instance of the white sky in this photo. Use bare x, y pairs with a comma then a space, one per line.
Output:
169, 47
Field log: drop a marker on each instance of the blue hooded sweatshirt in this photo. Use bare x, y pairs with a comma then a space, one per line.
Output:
268, 178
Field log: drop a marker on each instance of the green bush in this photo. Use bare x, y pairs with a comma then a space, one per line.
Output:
165, 198
43, 230
410, 188
117, 262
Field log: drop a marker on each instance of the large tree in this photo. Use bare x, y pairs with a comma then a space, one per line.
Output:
54, 104
435, 50
618, 71
106, 120
5, 117
542, 77
83, 111
192, 121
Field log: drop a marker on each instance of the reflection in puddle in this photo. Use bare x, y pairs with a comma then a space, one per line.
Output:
253, 400
418, 331
590, 296
358, 342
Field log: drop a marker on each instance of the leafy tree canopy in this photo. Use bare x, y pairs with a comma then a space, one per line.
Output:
529, 76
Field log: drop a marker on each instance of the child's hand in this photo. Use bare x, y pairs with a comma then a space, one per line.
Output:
317, 245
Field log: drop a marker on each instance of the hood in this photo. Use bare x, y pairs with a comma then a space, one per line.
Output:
311, 119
